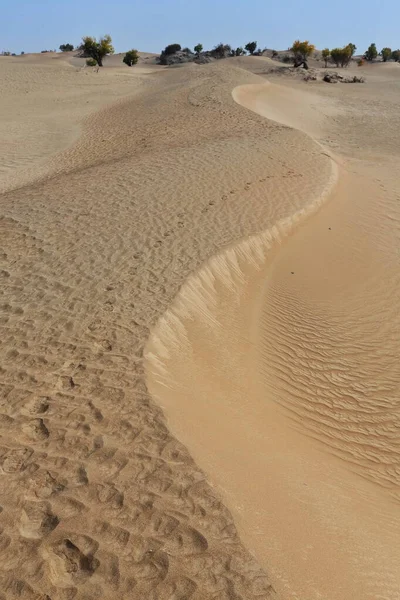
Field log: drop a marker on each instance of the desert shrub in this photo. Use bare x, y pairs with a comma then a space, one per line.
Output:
239, 51
221, 51
131, 58
301, 52
274, 54
172, 49
372, 53
187, 50
251, 47
386, 54
97, 50
66, 47
287, 59
360, 62
325, 55
91, 62
198, 48
396, 55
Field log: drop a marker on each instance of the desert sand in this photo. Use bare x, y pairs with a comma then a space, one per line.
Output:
199, 332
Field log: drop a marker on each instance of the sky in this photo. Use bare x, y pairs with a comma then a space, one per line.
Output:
149, 25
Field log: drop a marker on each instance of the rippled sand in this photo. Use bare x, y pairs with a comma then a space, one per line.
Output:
277, 365
148, 174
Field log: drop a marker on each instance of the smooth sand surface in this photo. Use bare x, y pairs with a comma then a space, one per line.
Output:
277, 365
148, 207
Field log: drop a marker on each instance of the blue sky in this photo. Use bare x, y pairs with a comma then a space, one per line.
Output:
149, 25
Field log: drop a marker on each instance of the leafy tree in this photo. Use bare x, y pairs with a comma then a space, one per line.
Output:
198, 48
342, 56
301, 52
386, 54
66, 47
131, 58
396, 55
325, 55
371, 53
97, 50
353, 49
251, 47
172, 49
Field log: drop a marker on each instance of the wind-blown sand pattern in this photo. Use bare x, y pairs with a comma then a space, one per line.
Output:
98, 499
129, 181
277, 365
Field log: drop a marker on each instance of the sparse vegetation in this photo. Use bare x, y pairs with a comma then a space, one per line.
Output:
342, 56
301, 52
372, 53
66, 47
198, 48
396, 55
97, 50
386, 54
172, 49
238, 52
131, 58
251, 47
221, 51
325, 55
287, 59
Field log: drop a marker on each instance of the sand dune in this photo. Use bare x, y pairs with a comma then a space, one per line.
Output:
121, 188
283, 380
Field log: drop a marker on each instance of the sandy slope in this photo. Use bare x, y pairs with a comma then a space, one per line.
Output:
278, 362
98, 499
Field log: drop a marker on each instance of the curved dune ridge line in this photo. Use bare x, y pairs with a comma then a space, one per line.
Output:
100, 500
235, 364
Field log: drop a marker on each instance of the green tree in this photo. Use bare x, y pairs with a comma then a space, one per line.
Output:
372, 53
251, 47
301, 52
341, 56
353, 49
97, 49
386, 54
396, 55
325, 55
198, 48
131, 58
66, 47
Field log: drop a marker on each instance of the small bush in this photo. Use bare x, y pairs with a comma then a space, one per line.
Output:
172, 49
274, 54
198, 48
287, 59
91, 62
360, 62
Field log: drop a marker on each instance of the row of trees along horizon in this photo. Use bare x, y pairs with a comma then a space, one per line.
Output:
299, 53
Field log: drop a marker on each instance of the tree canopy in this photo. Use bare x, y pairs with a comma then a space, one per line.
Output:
131, 58
97, 49
301, 52
386, 54
371, 53
66, 47
198, 48
251, 47
325, 55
